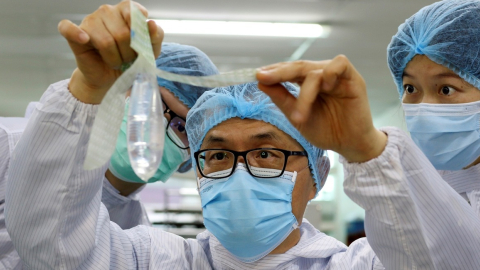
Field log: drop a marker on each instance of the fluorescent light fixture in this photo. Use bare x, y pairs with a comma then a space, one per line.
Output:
229, 28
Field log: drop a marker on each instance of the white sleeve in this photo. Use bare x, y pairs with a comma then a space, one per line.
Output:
474, 198
414, 219
359, 256
126, 211
11, 129
4, 162
8, 256
53, 207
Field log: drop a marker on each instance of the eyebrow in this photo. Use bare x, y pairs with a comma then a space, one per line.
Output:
266, 136
405, 74
215, 139
448, 75
270, 135
441, 75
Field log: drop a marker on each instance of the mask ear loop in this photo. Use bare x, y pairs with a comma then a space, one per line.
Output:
295, 173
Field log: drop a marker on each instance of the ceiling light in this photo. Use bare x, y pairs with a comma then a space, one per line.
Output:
228, 28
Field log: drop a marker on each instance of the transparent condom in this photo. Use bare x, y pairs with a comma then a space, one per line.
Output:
145, 127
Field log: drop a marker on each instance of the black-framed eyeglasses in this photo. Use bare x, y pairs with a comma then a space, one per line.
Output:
260, 162
177, 125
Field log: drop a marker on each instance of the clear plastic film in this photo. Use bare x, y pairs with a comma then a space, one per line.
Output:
145, 127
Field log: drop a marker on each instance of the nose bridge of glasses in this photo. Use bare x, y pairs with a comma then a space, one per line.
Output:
167, 116
240, 159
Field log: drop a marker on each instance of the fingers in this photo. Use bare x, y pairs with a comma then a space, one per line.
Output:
100, 36
120, 32
156, 36
75, 36
284, 100
316, 78
124, 10
296, 109
109, 31
339, 67
309, 92
288, 72
72, 32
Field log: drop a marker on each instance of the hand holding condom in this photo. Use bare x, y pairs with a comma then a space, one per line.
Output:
100, 44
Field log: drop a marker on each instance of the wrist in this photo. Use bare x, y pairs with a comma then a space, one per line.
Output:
371, 147
124, 188
84, 91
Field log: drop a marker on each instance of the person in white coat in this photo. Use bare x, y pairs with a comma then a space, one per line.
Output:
120, 185
434, 61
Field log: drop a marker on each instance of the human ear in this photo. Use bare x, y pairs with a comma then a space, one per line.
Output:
323, 168
313, 191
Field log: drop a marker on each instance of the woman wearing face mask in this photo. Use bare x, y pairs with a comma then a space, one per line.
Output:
177, 99
434, 59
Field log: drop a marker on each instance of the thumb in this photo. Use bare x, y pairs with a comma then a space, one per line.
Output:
280, 96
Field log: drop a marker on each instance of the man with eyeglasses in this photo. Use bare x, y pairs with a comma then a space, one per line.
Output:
256, 174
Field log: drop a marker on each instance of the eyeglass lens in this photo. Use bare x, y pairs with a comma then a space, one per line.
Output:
177, 125
212, 162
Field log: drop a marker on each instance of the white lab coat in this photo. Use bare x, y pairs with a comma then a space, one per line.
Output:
11, 128
414, 219
466, 183
127, 212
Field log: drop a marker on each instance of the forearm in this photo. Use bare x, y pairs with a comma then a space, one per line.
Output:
413, 217
123, 188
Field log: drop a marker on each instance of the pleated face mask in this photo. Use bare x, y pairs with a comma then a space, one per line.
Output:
448, 134
250, 216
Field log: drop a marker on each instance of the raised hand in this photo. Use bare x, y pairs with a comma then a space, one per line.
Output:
332, 110
101, 44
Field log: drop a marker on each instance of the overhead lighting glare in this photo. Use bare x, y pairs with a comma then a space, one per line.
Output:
229, 28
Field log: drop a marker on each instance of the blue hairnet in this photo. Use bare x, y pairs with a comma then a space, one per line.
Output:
447, 32
247, 101
185, 60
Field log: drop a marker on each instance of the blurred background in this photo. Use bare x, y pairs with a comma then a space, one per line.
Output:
33, 55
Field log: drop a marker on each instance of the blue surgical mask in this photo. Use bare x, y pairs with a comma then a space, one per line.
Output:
448, 134
171, 160
250, 216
